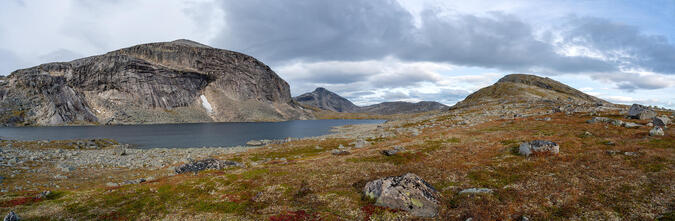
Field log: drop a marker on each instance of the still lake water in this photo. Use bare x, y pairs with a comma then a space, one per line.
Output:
184, 135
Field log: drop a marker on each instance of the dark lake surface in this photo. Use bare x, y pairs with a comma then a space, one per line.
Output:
184, 135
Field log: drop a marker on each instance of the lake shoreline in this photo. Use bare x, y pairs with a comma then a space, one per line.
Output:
53, 168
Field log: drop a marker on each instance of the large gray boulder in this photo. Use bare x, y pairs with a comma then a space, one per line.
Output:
205, 164
538, 146
12, 217
641, 112
656, 131
661, 121
408, 192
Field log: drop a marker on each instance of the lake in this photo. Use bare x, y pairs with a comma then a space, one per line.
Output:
184, 135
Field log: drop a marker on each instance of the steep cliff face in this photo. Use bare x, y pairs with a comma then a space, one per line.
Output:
169, 82
327, 100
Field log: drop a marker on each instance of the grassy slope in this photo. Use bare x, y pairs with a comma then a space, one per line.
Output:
583, 182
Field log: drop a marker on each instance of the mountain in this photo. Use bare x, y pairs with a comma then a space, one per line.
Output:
166, 82
401, 107
523, 87
327, 100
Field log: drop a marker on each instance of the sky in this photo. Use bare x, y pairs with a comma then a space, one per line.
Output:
371, 51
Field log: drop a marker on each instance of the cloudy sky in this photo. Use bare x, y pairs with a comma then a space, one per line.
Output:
378, 50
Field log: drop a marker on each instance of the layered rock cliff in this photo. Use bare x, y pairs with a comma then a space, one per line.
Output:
168, 82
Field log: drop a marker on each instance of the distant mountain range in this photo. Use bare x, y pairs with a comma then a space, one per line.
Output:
327, 100
184, 81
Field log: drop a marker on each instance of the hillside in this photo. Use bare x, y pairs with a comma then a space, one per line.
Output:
167, 82
523, 87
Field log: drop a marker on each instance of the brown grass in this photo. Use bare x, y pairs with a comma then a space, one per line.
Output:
582, 182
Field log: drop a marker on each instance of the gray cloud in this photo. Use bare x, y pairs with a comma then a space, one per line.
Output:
624, 44
278, 31
633, 81
9, 62
314, 29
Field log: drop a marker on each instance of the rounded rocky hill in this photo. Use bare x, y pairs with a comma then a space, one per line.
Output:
524, 87
167, 82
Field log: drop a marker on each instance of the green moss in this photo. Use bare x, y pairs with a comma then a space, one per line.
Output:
497, 178
221, 207
254, 173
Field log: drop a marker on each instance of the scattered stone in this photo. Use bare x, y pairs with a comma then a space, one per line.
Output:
341, 147
43, 194
60, 177
360, 143
538, 146
111, 184
631, 125
587, 134
408, 192
476, 191
650, 124
120, 150
656, 131
631, 154
393, 151
206, 164
65, 168
547, 119
609, 143
524, 218
599, 120
12, 217
135, 181
617, 123
339, 152
318, 147
641, 112
254, 143
661, 121
613, 152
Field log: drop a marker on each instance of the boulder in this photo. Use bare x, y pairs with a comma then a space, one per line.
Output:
12, 217
339, 152
476, 191
599, 120
631, 125
408, 192
641, 112
200, 165
360, 143
656, 131
661, 121
393, 151
43, 194
65, 168
538, 146
254, 143
120, 150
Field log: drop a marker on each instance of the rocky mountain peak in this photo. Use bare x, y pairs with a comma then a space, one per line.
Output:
524, 87
327, 100
164, 82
